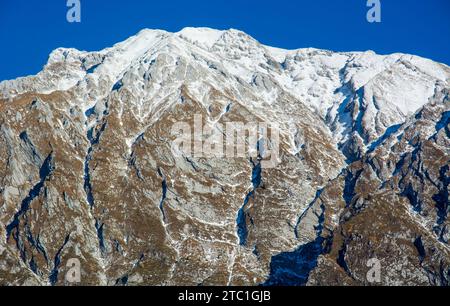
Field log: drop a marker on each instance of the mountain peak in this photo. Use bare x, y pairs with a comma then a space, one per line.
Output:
381, 90
204, 37
90, 167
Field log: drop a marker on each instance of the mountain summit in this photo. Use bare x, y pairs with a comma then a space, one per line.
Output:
89, 171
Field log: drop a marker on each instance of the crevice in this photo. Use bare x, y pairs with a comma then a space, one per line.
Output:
441, 200
164, 195
41, 249
349, 188
93, 140
91, 111
122, 281
99, 228
444, 122
87, 180
192, 163
53, 278
33, 266
36, 244
293, 268
118, 85
390, 131
228, 108
92, 69
132, 164
406, 188
341, 258
358, 124
444, 275
399, 165
35, 156
45, 173
299, 220
420, 249
435, 278
241, 220
413, 197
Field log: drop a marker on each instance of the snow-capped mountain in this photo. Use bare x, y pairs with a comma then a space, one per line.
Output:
88, 170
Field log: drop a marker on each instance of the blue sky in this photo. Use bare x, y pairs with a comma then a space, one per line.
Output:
31, 29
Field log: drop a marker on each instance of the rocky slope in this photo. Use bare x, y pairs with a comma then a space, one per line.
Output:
89, 170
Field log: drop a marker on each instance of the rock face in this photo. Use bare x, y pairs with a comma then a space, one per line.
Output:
89, 170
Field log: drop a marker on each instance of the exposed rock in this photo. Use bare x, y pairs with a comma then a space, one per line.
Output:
89, 169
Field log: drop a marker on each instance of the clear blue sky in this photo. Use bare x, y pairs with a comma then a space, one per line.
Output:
31, 29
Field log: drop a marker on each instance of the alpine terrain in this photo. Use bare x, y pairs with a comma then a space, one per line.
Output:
359, 194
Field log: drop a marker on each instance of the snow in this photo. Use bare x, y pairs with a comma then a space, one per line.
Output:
278, 54
393, 86
124, 54
203, 37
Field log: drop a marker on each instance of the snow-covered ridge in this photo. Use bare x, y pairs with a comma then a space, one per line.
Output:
232, 44
358, 94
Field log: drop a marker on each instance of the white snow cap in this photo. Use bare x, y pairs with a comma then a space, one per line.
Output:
204, 37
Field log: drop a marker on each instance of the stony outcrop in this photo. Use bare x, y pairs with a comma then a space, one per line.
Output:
89, 171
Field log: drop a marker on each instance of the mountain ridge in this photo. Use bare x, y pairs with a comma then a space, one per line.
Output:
350, 82
359, 133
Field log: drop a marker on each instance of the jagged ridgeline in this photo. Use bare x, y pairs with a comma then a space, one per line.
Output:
89, 172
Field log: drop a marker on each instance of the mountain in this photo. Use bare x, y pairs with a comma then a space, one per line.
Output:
90, 172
